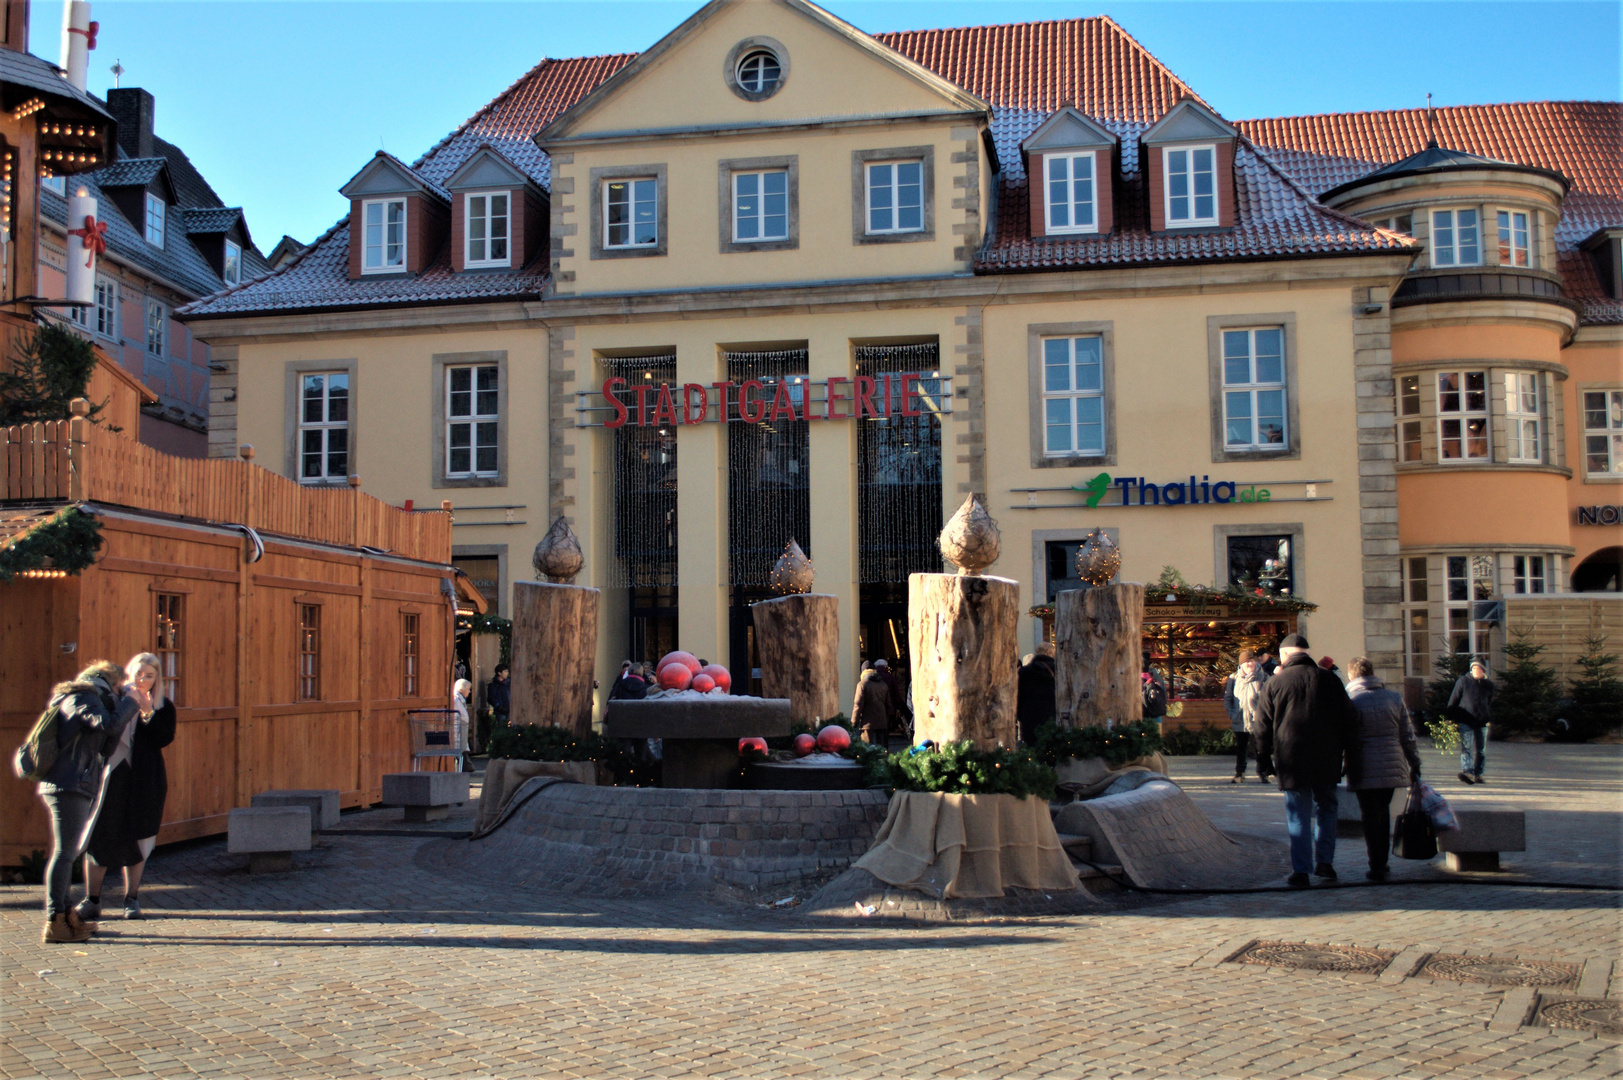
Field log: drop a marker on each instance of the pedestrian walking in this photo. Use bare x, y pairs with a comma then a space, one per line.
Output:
1309, 727
1034, 695
91, 714
870, 707
1387, 759
1330, 665
1152, 691
498, 699
1469, 706
137, 786
1240, 693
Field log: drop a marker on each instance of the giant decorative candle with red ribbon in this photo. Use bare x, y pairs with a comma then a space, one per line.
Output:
84, 245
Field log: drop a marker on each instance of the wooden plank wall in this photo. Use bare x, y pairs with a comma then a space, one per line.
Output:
1561, 621
241, 726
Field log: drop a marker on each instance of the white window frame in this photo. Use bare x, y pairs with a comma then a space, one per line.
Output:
1452, 221
231, 265
1462, 415
325, 428
489, 239
633, 202
755, 62
1478, 582
156, 212
1073, 399
106, 307
1074, 164
1411, 446
157, 327
760, 216
483, 428
58, 184
1530, 574
383, 265
1608, 434
1253, 389
1523, 417
1416, 616
1192, 219
1515, 238
895, 188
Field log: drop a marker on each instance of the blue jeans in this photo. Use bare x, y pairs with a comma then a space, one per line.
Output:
1473, 749
1312, 831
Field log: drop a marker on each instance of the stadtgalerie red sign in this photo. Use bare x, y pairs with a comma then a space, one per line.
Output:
621, 402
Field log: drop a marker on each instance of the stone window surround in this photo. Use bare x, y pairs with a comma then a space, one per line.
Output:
1588, 477
597, 227
487, 551
1215, 325
1551, 415
860, 160
729, 69
293, 371
1557, 580
1294, 529
789, 163
441, 361
1035, 334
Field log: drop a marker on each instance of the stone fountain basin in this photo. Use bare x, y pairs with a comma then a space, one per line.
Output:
700, 734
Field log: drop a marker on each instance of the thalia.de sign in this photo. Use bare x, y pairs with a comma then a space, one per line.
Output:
1176, 493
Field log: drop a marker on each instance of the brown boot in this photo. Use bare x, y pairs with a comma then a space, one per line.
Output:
80, 924
60, 931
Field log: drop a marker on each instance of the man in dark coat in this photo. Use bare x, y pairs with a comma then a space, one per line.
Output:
1034, 705
1469, 707
1308, 725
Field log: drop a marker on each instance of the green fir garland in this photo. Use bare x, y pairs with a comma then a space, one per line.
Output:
1117, 745
67, 540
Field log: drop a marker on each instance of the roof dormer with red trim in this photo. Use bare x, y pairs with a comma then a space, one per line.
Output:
398, 222
1072, 162
1188, 158
499, 216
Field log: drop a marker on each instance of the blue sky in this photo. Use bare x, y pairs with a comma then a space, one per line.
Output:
279, 103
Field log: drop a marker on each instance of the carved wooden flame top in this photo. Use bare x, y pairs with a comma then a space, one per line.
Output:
793, 572
971, 540
558, 556
1098, 559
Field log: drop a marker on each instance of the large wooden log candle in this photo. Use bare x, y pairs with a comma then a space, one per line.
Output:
1098, 643
961, 634
554, 638
799, 639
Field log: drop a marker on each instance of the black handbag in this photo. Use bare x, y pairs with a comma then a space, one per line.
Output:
1413, 836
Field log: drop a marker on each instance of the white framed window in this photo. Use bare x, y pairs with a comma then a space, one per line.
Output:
631, 212
486, 240
1454, 239
895, 196
1515, 248
1603, 432
1416, 617
154, 221
1073, 396
323, 426
1071, 205
1403, 223
1191, 184
1254, 389
759, 72
472, 403
157, 327
231, 267
1528, 574
1522, 416
1469, 579
58, 184
106, 307
1462, 415
760, 206
1409, 440
383, 228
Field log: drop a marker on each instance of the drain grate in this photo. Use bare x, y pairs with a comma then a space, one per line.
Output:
1498, 971
1598, 1015
1295, 954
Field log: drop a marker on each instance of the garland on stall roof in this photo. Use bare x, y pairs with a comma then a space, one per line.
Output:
1171, 588
67, 540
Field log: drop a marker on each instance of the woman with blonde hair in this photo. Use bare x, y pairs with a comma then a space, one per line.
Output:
136, 786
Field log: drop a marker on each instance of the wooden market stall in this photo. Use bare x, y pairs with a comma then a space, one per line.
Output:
299, 625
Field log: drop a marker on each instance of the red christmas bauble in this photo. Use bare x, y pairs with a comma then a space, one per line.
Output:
702, 683
686, 659
832, 739
722, 676
675, 676
753, 742
805, 744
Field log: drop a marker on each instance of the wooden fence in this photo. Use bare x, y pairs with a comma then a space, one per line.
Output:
75, 460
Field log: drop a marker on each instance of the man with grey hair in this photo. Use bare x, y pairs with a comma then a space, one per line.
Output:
1308, 725
1469, 707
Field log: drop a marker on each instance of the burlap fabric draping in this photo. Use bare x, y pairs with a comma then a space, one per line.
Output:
968, 846
504, 776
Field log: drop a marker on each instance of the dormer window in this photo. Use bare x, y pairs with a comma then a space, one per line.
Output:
487, 229
231, 269
154, 220
1071, 201
1191, 185
385, 236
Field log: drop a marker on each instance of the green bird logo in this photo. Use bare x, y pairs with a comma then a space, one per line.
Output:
1095, 488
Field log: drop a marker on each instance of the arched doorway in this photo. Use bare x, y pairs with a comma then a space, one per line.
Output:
1601, 572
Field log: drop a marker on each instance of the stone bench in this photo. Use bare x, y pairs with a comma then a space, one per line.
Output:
323, 804
1482, 835
268, 835
426, 796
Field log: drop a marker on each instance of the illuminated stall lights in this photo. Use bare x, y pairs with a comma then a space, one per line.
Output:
27, 108
43, 574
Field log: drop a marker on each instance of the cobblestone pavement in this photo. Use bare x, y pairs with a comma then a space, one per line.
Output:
363, 962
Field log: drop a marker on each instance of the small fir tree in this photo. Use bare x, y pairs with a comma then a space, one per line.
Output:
1597, 693
1525, 699
49, 369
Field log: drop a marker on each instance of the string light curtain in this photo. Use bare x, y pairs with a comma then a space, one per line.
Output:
899, 470
768, 468
644, 482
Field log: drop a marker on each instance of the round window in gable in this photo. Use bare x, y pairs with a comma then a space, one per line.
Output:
757, 68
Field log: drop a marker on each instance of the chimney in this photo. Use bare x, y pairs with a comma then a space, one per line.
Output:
132, 107
14, 27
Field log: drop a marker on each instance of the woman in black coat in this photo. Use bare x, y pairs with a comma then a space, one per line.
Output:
132, 805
